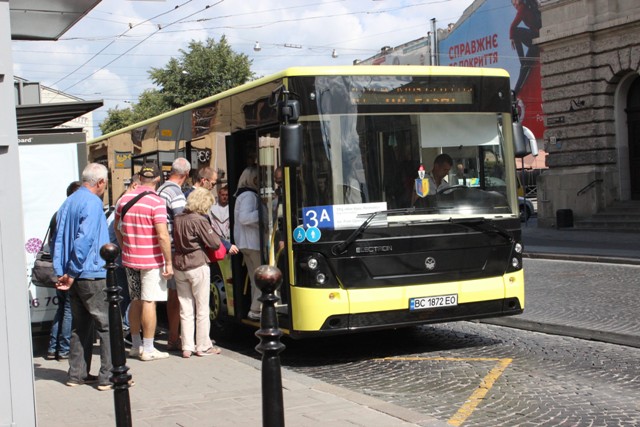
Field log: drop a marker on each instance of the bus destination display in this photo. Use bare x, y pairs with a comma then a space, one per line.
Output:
412, 95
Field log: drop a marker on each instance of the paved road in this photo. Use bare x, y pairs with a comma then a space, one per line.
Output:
588, 300
475, 374
549, 380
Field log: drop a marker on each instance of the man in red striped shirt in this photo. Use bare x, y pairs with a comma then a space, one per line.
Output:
146, 255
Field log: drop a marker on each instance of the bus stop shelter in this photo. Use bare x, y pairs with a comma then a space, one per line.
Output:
20, 20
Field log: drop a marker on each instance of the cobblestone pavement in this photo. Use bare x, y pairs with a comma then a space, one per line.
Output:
587, 300
474, 374
551, 287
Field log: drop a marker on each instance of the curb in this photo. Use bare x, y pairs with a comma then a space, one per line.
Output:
582, 258
568, 331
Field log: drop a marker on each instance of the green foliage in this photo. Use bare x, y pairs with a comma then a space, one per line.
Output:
116, 119
205, 69
150, 103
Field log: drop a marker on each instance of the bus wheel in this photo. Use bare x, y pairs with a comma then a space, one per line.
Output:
217, 297
222, 326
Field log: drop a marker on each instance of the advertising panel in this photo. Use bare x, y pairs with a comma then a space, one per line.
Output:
499, 33
46, 170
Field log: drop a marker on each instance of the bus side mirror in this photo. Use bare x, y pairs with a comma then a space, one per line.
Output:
521, 144
532, 140
291, 144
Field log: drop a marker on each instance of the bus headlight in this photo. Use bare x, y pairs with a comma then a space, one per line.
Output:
312, 263
313, 271
515, 263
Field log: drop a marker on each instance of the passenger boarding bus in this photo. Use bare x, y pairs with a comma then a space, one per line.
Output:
363, 237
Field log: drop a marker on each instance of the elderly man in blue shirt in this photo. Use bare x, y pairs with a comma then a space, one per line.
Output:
80, 233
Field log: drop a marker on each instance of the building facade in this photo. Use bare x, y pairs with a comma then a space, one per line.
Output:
590, 63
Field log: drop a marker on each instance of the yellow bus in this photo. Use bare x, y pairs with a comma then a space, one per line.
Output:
363, 235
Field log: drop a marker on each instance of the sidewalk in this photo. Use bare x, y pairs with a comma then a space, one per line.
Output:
215, 391
225, 390
580, 245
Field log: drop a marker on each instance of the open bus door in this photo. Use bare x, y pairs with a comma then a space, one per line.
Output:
230, 282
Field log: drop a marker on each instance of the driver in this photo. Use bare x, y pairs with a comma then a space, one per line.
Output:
441, 166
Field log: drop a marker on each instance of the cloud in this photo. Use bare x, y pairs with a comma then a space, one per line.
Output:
102, 56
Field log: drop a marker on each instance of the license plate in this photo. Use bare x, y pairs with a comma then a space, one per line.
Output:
433, 302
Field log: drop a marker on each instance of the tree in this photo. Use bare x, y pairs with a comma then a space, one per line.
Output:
201, 71
151, 103
116, 119
204, 70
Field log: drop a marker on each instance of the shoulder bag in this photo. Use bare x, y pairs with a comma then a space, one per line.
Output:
216, 255
132, 202
42, 273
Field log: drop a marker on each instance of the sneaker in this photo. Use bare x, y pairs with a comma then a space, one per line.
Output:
62, 356
135, 352
209, 352
186, 354
253, 315
153, 355
51, 355
89, 379
106, 387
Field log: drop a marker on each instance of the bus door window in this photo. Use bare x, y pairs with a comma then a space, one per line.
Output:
272, 194
268, 149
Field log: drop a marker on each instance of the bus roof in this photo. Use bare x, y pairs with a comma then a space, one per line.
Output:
343, 70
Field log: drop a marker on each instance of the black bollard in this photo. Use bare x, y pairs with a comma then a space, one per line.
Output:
268, 280
120, 377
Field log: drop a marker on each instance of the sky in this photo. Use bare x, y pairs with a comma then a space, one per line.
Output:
107, 55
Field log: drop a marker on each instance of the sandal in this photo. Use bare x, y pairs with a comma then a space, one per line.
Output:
209, 352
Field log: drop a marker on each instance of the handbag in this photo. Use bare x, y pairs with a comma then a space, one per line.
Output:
42, 273
216, 255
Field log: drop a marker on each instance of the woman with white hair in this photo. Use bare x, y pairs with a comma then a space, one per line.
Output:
246, 230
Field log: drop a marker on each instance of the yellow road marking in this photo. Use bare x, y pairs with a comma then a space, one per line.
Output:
476, 397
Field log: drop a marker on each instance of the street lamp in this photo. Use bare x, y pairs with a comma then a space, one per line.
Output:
334, 54
257, 47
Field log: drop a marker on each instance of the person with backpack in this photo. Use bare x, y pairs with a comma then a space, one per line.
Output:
171, 192
60, 336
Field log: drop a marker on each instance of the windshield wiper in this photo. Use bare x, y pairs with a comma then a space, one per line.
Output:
339, 248
484, 225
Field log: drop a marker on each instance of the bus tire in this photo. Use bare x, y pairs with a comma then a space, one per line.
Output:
217, 297
221, 324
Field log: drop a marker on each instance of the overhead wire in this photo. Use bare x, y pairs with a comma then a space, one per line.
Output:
139, 43
185, 20
131, 27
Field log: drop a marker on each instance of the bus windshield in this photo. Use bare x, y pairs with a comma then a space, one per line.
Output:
376, 146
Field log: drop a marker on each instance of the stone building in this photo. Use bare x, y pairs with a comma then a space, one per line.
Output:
590, 60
